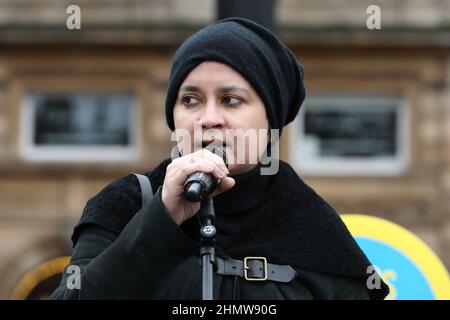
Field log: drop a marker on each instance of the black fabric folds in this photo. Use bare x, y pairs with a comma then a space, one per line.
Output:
291, 225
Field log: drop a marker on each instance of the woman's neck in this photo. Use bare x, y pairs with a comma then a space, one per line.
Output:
248, 191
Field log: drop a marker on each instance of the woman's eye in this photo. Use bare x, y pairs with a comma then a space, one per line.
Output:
189, 101
231, 101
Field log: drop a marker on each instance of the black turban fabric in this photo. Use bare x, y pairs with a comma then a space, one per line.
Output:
253, 51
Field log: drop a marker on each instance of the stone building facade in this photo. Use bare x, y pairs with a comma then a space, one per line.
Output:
126, 46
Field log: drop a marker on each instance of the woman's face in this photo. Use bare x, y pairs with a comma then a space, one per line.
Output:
219, 104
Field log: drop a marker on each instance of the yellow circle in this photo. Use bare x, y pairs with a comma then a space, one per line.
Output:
406, 242
40, 273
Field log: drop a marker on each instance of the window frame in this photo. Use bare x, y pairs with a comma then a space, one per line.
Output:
31, 152
353, 166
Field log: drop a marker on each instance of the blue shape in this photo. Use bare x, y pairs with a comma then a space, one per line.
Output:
410, 283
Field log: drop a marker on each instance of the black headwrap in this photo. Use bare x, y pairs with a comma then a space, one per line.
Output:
253, 51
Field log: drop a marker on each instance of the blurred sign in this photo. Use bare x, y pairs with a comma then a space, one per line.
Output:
84, 126
84, 118
410, 268
352, 133
345, 134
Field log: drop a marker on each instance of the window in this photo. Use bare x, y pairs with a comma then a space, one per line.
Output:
78, 126
351, 135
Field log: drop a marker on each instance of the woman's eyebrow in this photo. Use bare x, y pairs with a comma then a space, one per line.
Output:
225, 89
190, 88
228, 89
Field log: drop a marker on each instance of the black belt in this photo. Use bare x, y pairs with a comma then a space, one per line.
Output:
255, 269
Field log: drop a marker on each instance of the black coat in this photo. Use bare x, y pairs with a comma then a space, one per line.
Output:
145, 255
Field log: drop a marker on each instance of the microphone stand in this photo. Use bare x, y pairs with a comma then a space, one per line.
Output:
207, 250
197, 188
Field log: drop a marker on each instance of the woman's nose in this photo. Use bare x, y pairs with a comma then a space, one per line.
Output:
211, 117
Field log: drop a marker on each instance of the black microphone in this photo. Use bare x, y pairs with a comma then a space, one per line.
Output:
201, 184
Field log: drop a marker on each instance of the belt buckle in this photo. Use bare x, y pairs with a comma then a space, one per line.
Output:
246, 268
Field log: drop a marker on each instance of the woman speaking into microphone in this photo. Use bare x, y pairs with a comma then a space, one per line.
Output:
275, 237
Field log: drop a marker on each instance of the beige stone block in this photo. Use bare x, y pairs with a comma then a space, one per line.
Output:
159, 70
420, 14
4, 70
401, 212
347, 12
3, 118
431, 236
430, 103
446, 106
23, 247
110, 12
446, 127
77, 192
427, 157
446, 231
158, 130
446, 180
3, 128
322, 13
199, 11
304, 12
410, 200
429, 131
374, 188
436, 238
22, 198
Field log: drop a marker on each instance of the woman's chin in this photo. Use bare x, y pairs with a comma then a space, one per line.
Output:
237, 169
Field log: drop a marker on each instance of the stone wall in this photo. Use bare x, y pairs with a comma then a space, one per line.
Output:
40, 203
